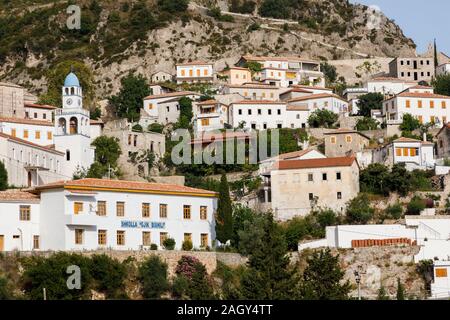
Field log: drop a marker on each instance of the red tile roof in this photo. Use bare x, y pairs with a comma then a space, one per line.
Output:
253, 86
18, 195
314, 163
126, 186
293, 59
96, 122
346, 131
421, 95
303, 107
172, 94
410, 140
31, 144
317, 96
194, 63
40, 106
298, 90
27, 121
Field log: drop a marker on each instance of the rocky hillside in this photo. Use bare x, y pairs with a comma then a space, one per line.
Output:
148, 35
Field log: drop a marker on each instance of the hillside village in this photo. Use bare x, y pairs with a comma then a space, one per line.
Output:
357, 175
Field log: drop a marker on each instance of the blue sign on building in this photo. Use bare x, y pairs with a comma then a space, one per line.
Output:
142, 224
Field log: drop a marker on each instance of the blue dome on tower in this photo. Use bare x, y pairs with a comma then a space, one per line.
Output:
71, 80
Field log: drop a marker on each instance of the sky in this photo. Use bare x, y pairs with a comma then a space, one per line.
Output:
420, 20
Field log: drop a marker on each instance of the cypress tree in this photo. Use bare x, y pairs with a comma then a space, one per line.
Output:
400, 290
224, 219
436, 60
270, 276
3, 177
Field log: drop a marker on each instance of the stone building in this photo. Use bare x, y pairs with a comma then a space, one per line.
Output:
343, 142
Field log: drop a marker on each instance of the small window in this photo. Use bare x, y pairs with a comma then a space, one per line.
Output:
279, 111
324, 177
120, 209
441, 272
249, 111
79, 236
339, 195
120, 238
146, 238
186, 212
162, 237
204, 240
203, 213
102, 237
333, 140
163, 210
68, 155
240, 111
146, 210
101, 208
77, 207
310, 177
187, 237
348, 139
270, 111
259, 111
338, 176
36, 243
25, 213
311, 196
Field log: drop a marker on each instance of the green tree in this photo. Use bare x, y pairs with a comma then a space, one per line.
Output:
129, 101
55, 80
329, 72
173, 6
109, 275
3, 177
322, 118
441, 84
375, 179
359, 210
416, 206
51, 273
224, 215
192, 280
400, 179
153, 277
367, 123
5, 291
186, 113
96, 113
400, 290
107, 153
409, 123
382, 295
394, 211
277, 9
368, 102
270, 276
253, 66
322, 278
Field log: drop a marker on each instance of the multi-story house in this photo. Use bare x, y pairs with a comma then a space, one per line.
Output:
420, 102
262, 115
415, 154
195, 72
299, 186
164, 108
344, 142
298, 91
412, 69
92, 214
161, 76
40, 132
331, 102
286, 71
254, 91
210, 115
237, 75
39, 112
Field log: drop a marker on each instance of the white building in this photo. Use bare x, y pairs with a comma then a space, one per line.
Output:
92, 214
195, 72
39, 132
210, 115
261, 115
420, 102
39, 111
254, 91
388, 86
443, 69
440, 287
327, 101
414, 153
161, 76
164, 108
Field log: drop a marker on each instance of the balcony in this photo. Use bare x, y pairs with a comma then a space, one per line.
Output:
208, 115
83, 219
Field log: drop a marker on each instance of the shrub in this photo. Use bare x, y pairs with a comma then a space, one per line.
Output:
137, 128
5, 293
416, 205
253, 27
153, 246
192, 279
3, 177
187, 245
109, 275
359, 210
156, 127
186, 266
153, 277
395, 211
169, 244
180, 286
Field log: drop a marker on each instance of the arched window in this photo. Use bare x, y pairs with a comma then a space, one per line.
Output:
62, 126
73, 125
72, 91
67, 90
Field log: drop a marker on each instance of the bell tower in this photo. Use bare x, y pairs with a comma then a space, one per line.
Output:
72, 128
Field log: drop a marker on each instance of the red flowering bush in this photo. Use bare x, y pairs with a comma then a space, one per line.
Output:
187, 266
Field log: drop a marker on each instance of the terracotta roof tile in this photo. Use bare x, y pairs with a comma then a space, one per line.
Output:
314, 163
302, 107
317, 96
18, 195
27, 121
171, 94
124, 186
31, 144
422, 95
40, 106
194, 63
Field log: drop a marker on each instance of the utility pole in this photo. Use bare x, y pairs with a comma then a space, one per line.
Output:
44, 291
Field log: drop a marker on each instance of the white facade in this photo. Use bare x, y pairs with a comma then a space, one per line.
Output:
443, 69
440, 287
161, 76
210, 115
326, 101
388, 86
261, 115
195, 72
39, 112
254, 91
423, 104
164, 108
415, 153
95, 214
34, 131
